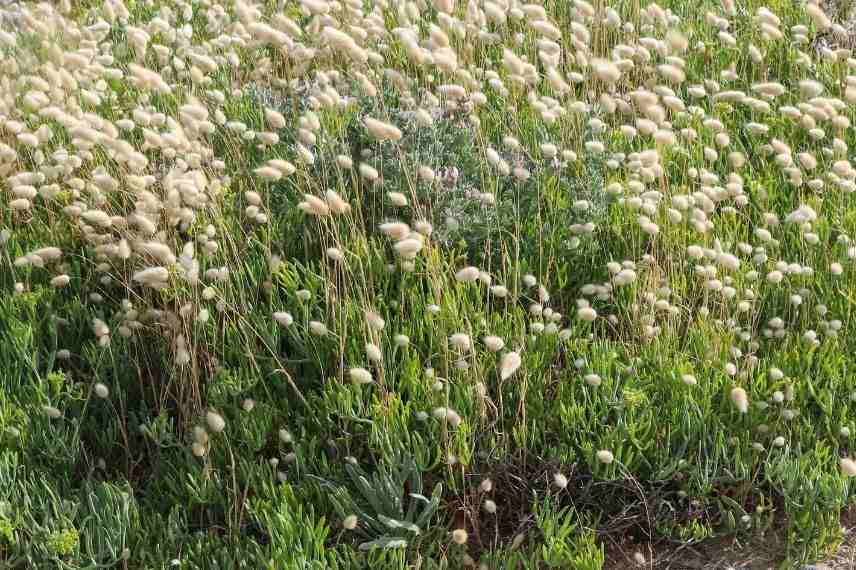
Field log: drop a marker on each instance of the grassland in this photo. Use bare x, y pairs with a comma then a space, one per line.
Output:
408, 284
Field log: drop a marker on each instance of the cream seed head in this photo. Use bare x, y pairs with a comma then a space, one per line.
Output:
215, 421
493, 343
587, 314
593, 380
350, 522
375, 321
401, 340
467, 275
373, 352
447, 415
459, 536
461, 342
605, 456
60, 281
283, 318
318, 328
740, 399
509, 364
397, 198
360, 376
382, 131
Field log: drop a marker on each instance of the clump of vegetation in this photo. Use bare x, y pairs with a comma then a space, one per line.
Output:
393, 283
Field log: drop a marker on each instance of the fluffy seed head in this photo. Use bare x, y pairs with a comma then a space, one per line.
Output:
459, 536
448, 415
493, 343
740, 399
509, 364
360, 376
605, 456
283, 318
215, 421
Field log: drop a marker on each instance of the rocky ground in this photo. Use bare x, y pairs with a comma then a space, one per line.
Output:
764, 553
